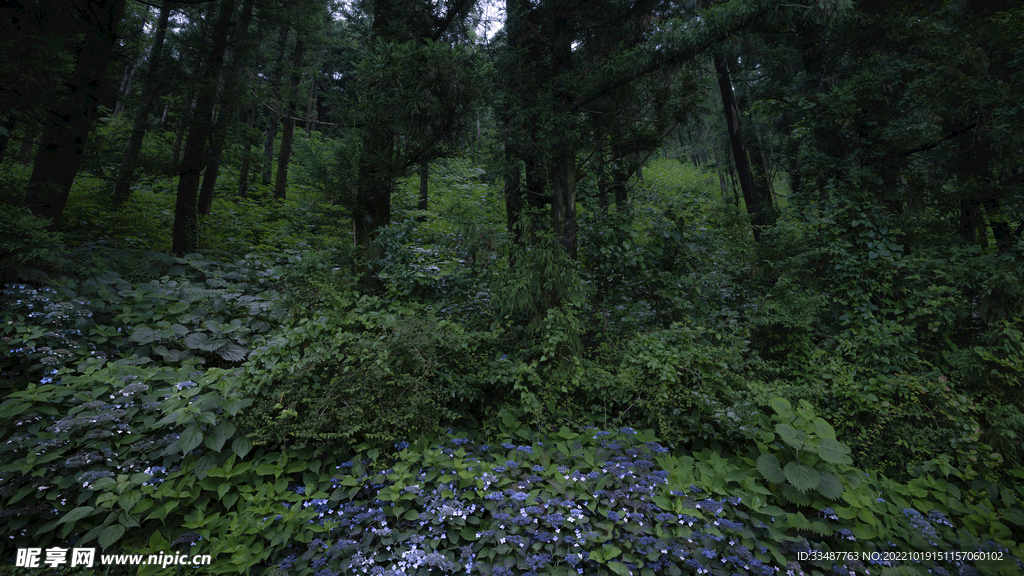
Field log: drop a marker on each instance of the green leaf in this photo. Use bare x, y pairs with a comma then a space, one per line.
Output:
196, 340
792, 436
233, 353
830, 487
241, 446
619, 568
215, 441
129, 499
769, 467
111, 534
782, 407
833, 451
191, 438
143, 335
823, 429
801, 477
76, 514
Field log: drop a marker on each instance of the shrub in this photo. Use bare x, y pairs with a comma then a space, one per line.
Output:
26, 244
606, 502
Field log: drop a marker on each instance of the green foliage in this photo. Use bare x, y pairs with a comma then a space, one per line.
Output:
688, 382
609, 502
369, 374
26, 243
540, 279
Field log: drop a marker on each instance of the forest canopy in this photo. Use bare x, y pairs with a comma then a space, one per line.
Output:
526, 287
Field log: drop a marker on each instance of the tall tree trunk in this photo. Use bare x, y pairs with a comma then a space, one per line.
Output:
720, 168
185, 235
179, 134
6, 127
125, 89
243, 177
125, 176
226, 116
563, 170
751, 195
60, 154
424, 189
513, 193
375, 182
288, 136
271, 132
27, 144
310, 106
603, 184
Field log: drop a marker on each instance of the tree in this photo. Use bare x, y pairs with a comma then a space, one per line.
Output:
230, 97
122, 187
63, 144
413, 90
753, 195
185, 233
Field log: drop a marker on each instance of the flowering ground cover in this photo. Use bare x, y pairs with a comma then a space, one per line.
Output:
599, 502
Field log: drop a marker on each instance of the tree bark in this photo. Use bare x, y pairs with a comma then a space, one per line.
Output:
243, 177
751, 195
563, 170
125, 176
226, 115
185, 234
288, 136
60, 154
424, 190
271, 132
6, 127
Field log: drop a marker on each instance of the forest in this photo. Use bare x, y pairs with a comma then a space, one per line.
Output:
518, 287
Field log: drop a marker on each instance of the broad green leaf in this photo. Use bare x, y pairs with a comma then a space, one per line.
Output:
833, 451
241, 446
233, 353
801, 477
769, 467
76, 514
191, 438
110, 535
792, 436
215, 441
782, 407
619, 568
823, 429
829, 486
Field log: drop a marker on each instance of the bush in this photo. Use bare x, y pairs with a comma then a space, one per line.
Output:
26, 245
369, 375
600, 502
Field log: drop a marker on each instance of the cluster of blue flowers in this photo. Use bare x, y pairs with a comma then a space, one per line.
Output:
526, 518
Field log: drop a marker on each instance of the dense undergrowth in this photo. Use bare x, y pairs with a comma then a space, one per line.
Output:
678, 401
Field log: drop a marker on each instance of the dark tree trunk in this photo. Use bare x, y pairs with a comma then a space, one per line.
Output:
25, 152
513, 193
288, 136
60, 153
179, 135
125, 176
243, 177
6, 128
226, 115
271, 132
424, 190
563, 170
753, 197
126, 88
185, 235
310, 106
373, 192
603, 184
